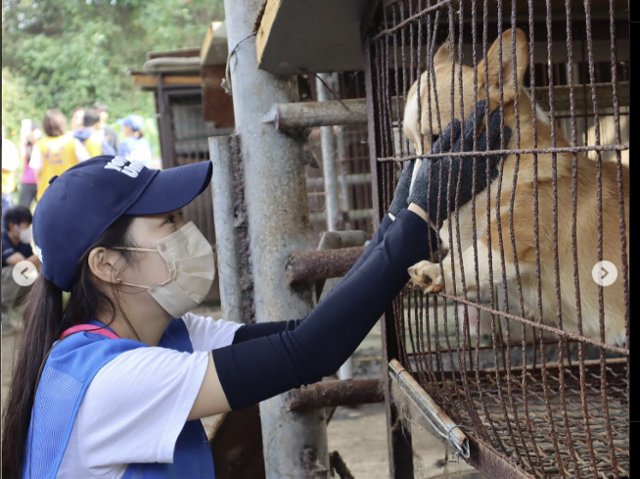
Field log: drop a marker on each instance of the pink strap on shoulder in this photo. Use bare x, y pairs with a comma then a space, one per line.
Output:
91, 329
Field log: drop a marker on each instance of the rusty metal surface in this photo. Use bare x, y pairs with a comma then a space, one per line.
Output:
309, 266
350, 392
339, 466
313, 468
217, 106
354, 112
232, 247
398, 439
437, 417
484, 458
527, 368
294, 116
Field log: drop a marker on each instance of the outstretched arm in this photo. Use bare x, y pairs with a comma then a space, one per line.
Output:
247, 373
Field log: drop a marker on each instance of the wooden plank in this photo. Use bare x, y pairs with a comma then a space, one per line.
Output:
217, 106
180, 53
307, 36
151, 81
215, 49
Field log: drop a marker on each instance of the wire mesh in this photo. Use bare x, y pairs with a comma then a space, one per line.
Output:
519, 343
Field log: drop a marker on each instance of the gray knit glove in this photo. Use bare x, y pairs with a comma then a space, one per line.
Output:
430, 194
402, 190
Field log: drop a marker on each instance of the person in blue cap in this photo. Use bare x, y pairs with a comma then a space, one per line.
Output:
113, 382
134, 147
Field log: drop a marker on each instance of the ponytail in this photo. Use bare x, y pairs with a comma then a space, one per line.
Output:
46, 318
43, 317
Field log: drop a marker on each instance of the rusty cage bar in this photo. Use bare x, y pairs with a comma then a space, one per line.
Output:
516, 334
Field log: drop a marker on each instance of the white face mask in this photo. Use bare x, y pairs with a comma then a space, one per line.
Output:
191, 265
26, 235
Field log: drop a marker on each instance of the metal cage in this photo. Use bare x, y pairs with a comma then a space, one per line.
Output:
520, 340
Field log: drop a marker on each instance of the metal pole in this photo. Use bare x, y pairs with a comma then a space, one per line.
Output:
278, 214
344, 190
329, 154
330, 169
346, 370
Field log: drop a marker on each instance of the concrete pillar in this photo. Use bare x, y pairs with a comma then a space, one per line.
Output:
278, 214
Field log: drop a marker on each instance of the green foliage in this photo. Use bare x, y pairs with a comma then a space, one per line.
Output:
68, 53
16, 104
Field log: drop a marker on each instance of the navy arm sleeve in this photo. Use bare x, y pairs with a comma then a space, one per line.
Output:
261, 368
260, 330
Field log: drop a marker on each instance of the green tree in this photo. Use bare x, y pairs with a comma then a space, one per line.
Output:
68, 53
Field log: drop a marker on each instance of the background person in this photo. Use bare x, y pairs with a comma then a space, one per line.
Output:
56, 153
30, 135
16, 247
134, 147
77, 119
92, 136
109, 133
10, 163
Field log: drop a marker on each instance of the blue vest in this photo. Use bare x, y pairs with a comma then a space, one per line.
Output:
69, 369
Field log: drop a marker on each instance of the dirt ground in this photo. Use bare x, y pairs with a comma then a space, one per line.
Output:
357, 433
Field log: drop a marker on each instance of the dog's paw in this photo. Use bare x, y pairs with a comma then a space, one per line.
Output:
427, 276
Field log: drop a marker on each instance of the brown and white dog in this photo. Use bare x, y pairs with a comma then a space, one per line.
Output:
432, 279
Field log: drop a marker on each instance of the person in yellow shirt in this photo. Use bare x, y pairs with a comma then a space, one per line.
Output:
56, 153
92, 136
10, 163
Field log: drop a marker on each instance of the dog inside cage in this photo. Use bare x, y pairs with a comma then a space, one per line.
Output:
516, 115
544, 179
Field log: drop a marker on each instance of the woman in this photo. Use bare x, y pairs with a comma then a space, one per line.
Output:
131, 371
29, 187
55, 154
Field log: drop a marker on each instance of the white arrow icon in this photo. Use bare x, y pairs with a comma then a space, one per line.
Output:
25, 273
605, 273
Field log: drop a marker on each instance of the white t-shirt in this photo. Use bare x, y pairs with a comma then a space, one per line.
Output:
137, 404
35, 162
10, 158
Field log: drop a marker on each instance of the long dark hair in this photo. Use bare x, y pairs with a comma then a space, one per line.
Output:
46, 318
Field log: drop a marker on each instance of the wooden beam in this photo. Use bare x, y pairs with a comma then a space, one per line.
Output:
179, 53
215, 49
151, 81
217, 106
308, 36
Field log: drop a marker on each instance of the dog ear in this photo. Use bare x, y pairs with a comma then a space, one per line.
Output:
443, 55
505, 69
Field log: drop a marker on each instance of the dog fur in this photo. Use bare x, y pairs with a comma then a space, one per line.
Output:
432, 279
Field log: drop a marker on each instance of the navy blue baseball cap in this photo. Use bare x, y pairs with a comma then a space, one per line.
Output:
79, 206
